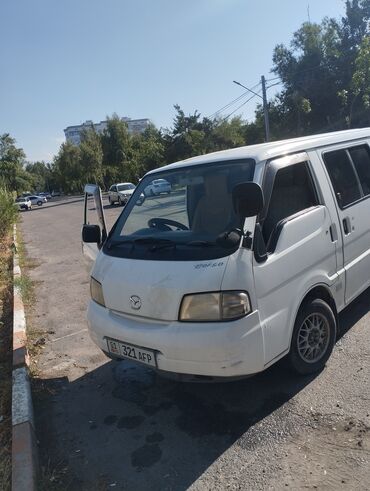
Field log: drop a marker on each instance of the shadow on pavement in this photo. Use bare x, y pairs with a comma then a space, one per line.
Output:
125, 424
353, 313
111, 207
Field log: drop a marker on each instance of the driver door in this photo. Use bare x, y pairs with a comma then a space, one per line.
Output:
93, 202
295, 227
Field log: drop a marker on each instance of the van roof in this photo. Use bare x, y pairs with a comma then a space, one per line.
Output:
264, 151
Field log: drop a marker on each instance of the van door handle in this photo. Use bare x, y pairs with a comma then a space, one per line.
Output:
346, 226
333, 232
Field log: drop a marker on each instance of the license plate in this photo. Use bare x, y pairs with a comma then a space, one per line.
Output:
131, 352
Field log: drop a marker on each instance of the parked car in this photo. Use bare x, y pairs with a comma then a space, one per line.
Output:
157, 187
120, 193
45, 194
24, 203
37, 200
56, 193
262, 250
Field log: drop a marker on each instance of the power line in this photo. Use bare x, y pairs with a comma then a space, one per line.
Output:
231, 103
273, 85
245, 87
265, 105
241, 105
272, 79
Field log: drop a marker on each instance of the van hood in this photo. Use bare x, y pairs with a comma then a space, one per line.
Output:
154, 289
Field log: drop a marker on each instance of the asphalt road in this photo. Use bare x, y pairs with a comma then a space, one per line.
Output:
113, 425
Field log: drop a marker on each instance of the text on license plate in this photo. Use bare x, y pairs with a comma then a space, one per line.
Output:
132, 352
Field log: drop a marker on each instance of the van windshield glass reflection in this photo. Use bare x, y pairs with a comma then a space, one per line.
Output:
183, 211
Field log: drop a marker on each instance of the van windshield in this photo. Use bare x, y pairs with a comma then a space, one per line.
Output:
182, 214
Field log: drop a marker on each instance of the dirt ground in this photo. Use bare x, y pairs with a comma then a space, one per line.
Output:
113, 425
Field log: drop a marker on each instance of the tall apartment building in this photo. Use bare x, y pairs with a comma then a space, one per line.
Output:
73, 133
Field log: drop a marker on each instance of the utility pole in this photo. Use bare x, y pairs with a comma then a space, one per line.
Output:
265, 106
265, 109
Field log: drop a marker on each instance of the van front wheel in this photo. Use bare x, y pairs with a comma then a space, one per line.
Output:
313, 338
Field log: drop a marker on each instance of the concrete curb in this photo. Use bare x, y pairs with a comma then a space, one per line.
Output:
24, 449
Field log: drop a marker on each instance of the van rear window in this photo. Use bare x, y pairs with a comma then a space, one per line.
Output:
343, 177
349, 172
361, 160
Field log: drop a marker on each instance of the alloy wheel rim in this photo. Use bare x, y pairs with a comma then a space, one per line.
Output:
313, 338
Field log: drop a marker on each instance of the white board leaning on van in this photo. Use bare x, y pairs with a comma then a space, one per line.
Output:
249, 258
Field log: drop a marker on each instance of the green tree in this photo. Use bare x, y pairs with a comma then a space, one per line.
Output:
12, 174
116, 146
91, 157
68, 169
308, 99
42, 175
360, 85
324, 75
8, 212
147, 152
228, 134
186, 137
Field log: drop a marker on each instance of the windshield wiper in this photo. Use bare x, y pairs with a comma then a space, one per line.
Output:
200, 243
158, 243
155, 242
116, 243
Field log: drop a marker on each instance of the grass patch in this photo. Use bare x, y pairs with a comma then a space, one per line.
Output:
6, 330
25, 286
27, 289
53, 477
25, 262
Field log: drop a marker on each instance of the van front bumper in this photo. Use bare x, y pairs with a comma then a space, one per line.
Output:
215, 349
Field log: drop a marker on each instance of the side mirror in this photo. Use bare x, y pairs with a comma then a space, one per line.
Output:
91, 233
247, 199
141, 199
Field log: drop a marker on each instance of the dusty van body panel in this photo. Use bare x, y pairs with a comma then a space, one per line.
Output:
353, 224
310, 243
214, 349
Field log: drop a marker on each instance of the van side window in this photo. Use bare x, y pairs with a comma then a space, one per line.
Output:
361, 160
293, 192
342, 176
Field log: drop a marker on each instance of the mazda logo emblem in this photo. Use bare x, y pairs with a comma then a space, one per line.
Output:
135, 302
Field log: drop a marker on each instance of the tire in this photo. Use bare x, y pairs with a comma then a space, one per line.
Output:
314, 335
39, 203
119, 201
110, 201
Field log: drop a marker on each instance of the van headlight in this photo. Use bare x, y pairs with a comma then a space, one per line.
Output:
96, 291
213, 307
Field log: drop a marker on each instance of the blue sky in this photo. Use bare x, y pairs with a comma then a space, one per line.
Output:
66, 61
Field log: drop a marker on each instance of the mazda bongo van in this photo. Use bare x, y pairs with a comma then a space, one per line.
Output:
250, 258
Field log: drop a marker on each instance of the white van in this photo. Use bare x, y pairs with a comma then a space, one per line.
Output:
250, 258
